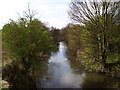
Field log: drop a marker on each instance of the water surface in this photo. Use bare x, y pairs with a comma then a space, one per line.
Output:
63, 74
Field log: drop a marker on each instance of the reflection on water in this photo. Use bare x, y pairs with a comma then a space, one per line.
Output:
99, 81
62, 75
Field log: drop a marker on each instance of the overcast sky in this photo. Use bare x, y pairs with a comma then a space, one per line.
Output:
53, 12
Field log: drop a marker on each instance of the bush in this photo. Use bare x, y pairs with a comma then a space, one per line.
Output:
27, 41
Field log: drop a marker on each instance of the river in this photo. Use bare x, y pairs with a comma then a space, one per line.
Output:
63, 74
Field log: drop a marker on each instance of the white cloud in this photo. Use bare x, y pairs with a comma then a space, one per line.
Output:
59, 23
62, 6
9, 9
50, 11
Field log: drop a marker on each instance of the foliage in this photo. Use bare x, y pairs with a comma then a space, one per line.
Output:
100, 38
56, 34
74, 38
27, 41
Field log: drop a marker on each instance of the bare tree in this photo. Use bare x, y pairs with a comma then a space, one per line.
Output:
29, 13
100, 19
87, 10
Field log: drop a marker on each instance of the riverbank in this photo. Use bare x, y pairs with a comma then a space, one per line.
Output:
4, 84
59, 73
82, 60
16, 77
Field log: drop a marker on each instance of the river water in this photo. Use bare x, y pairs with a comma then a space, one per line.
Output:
64, 74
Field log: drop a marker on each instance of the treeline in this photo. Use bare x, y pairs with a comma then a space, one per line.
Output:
58, 34
96, 42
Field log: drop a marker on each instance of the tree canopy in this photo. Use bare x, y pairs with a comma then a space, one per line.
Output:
101, 41
27, 40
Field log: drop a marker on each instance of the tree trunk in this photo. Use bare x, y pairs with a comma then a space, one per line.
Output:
26, 65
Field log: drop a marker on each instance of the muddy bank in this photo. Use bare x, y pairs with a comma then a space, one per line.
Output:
17, 78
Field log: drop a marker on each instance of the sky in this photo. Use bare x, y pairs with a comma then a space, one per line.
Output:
52, 12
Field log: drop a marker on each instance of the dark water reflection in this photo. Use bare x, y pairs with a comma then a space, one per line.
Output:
63, 74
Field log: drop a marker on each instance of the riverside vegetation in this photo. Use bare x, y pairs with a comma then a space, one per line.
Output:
94, 42
26, 42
